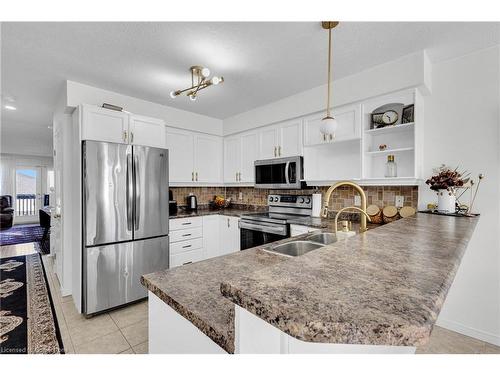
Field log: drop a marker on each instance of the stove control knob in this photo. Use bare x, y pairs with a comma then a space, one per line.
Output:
302, 200
308, 200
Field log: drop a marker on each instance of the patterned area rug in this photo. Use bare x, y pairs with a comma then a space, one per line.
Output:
28, 323
23, 234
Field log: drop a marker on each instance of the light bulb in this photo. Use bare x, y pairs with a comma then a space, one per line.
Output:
205, 72
328, 125
10, 107
215, 80
192, 97
173, 94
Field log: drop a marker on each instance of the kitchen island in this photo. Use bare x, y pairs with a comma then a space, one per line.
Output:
380, 291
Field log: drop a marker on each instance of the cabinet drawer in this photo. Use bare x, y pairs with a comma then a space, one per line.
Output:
186, 234
185, 223
186, 258
184, 246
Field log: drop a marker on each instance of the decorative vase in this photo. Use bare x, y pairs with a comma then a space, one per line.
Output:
446, 201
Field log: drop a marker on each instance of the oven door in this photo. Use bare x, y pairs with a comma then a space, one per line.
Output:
256, 234
280, 173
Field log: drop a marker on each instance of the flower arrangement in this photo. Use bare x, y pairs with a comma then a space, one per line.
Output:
448, 179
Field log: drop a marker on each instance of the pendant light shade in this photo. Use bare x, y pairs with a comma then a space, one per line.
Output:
329, 124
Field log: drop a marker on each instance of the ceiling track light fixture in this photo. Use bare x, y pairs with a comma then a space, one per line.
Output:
328, 123
199, 81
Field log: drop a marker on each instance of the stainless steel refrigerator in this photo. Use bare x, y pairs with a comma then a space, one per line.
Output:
125, 221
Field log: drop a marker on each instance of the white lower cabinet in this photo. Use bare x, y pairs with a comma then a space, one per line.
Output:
197, 238
211, 239
229, 234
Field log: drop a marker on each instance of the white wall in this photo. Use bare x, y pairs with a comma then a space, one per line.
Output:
78, 93
462, 128
409, 71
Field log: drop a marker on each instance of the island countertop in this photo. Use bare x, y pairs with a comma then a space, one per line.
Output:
382, 287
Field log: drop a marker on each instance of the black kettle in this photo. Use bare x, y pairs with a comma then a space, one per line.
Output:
191, 202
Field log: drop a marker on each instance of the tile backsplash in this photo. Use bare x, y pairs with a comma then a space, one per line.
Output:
344, 196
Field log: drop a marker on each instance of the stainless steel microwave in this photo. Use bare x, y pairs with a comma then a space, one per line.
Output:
280, 173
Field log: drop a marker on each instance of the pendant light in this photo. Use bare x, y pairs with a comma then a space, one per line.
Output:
328, 123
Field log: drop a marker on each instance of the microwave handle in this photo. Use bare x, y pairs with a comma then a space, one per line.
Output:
287, 172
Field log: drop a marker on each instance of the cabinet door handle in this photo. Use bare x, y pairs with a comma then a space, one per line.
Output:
187, 263
192, 176
239, 176
275, 151
324, 137
186, 246
196, 176
189, 223
131, 137
124, 136
279, 150
186, 235
236, 176
331, 137
228, 223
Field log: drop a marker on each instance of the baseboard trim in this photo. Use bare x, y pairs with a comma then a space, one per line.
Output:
469, 331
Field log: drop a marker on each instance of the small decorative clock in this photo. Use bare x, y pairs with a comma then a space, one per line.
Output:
388, 114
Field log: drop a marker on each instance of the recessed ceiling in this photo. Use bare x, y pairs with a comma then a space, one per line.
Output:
260, 62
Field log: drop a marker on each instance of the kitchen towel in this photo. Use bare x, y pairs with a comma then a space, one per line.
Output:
316, 207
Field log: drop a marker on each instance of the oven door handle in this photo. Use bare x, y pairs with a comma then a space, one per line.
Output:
274, 229
287, 172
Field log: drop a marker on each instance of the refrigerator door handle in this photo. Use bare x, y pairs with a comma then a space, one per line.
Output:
129, 188
137, 188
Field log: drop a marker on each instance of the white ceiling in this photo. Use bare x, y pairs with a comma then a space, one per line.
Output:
261, 62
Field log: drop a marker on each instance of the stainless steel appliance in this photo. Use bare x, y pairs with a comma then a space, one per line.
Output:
191, 202
280, 173
265, 227
125, 221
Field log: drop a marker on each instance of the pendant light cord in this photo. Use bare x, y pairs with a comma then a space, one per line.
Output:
329, 71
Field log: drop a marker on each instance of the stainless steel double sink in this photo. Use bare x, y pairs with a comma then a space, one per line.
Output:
301, 247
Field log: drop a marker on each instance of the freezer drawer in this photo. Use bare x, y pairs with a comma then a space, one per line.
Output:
113, 272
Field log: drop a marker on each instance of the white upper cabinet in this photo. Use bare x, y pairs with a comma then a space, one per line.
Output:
232, 158
283, 139
240, 153
349, 126
194, 158
290, 138
106, 125
147, 131
208, 158
249, 153
181, 155
268, 142
100, 124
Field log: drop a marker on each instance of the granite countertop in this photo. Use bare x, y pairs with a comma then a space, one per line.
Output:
231, 211
238, 211
382, 287
193, 290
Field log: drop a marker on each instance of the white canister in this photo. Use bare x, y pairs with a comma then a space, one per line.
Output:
446, 201
316, 204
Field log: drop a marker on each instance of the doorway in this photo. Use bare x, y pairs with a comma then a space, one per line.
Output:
28, 194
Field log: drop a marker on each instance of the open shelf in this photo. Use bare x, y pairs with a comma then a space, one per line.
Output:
393, 151
391, 129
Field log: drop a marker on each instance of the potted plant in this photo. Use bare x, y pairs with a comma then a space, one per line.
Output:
445, 182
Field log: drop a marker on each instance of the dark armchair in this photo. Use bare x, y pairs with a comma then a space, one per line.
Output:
6, 212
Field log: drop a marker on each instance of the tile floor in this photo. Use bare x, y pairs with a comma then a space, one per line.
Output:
125, 330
